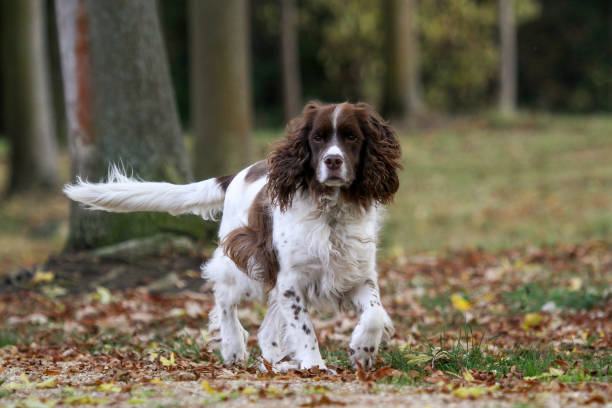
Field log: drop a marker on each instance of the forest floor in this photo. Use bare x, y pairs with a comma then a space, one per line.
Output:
496, 268
522, 327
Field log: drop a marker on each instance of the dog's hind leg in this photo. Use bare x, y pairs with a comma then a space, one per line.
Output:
271, 335
230, 287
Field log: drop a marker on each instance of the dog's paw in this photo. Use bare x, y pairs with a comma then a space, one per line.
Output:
364, 346
308, 364
363, 356
233, 353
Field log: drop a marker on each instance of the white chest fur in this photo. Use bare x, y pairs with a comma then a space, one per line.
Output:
329, 247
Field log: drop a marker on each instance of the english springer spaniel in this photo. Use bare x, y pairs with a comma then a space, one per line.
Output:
298, 230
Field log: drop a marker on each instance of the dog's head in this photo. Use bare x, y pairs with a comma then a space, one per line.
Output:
344, 146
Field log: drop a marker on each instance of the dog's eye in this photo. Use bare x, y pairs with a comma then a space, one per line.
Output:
350, 136
317, 137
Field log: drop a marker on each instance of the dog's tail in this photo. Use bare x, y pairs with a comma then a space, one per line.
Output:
124, 194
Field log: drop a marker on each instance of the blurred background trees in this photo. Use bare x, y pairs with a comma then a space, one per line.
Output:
507, 50
27, 106
401, 88
221, 100
138, 75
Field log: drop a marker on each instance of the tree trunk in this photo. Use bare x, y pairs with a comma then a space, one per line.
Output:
120, 109
401, 87
508, 60
27, 101
221, 90
292, 92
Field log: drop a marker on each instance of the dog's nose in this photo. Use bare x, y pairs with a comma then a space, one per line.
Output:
333, 161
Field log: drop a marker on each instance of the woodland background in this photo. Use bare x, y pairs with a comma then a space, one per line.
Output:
495, 260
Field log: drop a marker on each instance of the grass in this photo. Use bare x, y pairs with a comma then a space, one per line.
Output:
8, 338
534, 295
539, 180
469, 353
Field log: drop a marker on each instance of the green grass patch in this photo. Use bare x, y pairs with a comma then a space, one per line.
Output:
337, 357
532, 296
469, 353
186, 347
8, 338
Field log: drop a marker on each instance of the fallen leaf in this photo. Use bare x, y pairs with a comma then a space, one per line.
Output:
531, 319
467, 376
460, 303
42, 277
575, 284
50, 382
472, 392
109, 387
85, 400
595, 399
103, 295
323, 400
206, 387
36, 403
168, 363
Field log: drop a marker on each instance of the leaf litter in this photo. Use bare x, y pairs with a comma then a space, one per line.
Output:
527, 326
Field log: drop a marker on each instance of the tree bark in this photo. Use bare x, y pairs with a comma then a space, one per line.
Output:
401, 87
292, 92
27, 100
508, 60
120, 109
221, 93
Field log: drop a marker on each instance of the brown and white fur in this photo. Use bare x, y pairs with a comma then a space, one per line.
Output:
298, 230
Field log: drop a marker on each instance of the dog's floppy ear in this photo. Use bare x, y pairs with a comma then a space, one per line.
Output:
377, 178
289, 162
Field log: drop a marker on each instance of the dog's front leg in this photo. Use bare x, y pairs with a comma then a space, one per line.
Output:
300, 335
374, 325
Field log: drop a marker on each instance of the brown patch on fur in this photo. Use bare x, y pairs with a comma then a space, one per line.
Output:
256, 171
377, 179
224, 181
251, 247
289, 162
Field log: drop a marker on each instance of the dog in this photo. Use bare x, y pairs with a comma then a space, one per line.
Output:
298, 230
